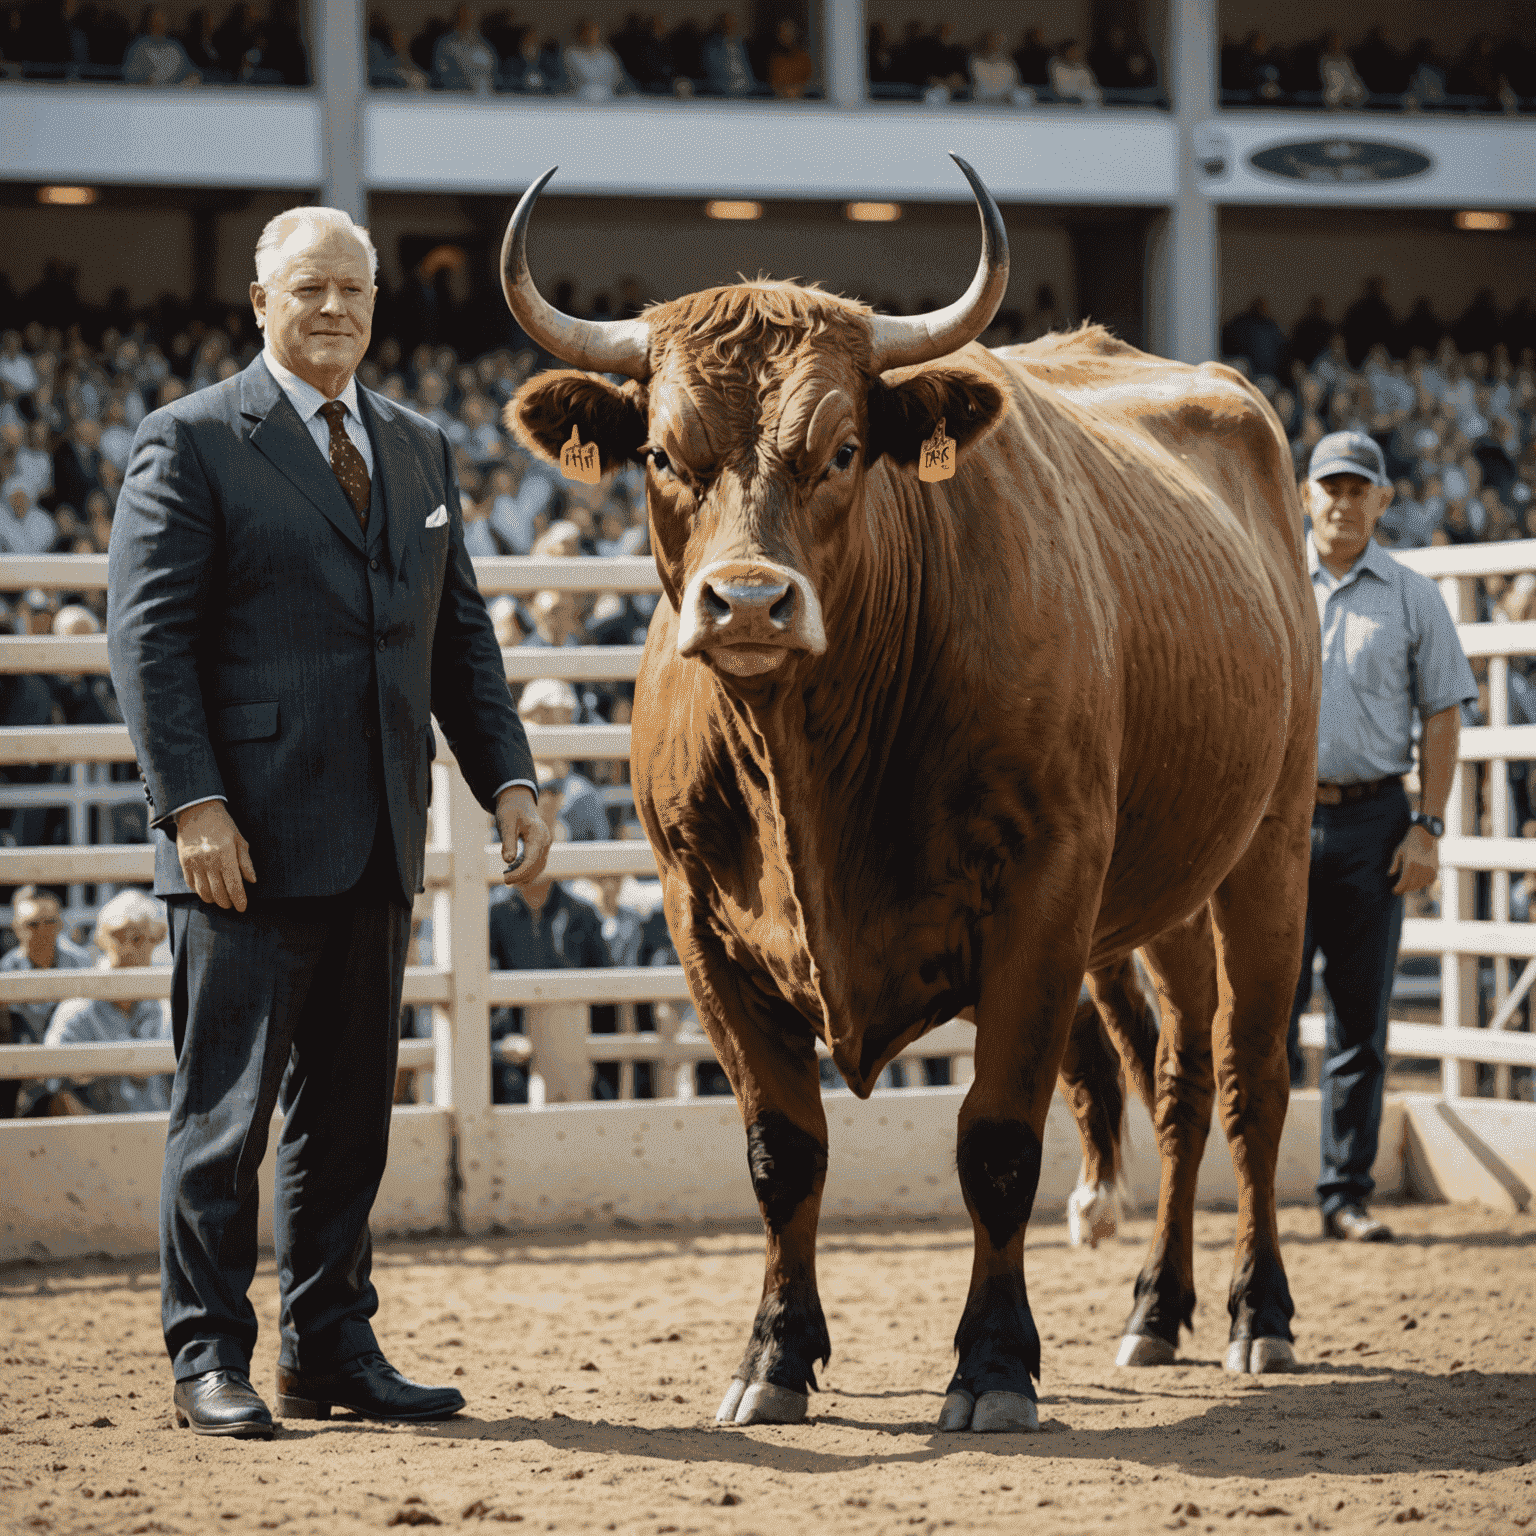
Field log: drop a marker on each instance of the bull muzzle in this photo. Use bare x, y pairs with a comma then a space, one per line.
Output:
748, 616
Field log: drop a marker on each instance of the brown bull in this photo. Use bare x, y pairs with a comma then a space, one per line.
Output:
904, 749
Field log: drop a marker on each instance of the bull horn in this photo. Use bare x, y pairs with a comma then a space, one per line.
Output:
897, 341
601, 346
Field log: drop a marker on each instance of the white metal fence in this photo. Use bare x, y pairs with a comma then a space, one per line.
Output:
462, 863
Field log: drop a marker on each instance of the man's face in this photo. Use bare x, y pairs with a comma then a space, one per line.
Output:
1345, 510
131, 944
316, 305
36, 925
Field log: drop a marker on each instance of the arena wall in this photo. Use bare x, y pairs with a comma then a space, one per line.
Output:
91, 1185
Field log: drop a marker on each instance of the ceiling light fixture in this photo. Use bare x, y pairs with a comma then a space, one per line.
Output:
728, 208
873, 213
67, 197
1484, 219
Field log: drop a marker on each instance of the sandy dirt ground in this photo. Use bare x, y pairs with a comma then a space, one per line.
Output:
593, 1364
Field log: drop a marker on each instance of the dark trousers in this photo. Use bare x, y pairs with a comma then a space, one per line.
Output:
1353, 917
308, 989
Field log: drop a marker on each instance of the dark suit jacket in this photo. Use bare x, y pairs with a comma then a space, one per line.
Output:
263, 648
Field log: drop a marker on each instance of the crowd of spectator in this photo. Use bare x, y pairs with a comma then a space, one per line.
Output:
1453, 405
930, 64
92, 40
1491, 74
495, 52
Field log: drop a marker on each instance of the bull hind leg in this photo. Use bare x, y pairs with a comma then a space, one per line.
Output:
1260, 917
1182, 963
1112, 1028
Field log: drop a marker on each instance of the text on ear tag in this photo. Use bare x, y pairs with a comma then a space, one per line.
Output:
579, 460
936, 458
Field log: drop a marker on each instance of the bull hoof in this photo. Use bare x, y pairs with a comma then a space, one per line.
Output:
726, 1412
1091, 1214
764, 1403
956, 1412
1003, 1412
1145, 1349
1260, 1357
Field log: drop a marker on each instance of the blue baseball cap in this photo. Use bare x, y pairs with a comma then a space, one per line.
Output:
1348, 453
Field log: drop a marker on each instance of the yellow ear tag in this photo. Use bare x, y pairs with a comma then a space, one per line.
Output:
936, 458
579, 460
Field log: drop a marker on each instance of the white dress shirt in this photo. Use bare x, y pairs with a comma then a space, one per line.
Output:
307, 400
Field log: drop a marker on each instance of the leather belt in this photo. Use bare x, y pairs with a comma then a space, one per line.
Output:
1346, 794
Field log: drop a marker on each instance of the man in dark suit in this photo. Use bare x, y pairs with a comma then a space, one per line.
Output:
290, 602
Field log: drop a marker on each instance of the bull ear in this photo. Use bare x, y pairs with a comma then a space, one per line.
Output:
545, 409
901, 415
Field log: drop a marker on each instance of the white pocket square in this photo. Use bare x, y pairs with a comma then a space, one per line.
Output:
439, 518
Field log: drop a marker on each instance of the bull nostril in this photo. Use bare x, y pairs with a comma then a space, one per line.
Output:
715, 605
783, 611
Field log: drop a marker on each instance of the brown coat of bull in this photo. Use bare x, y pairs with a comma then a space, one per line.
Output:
904, 749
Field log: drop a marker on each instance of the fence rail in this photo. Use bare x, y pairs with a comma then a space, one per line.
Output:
461, 864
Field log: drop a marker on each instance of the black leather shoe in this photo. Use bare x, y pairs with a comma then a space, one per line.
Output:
369, 1386
1355, 1224
222, 1403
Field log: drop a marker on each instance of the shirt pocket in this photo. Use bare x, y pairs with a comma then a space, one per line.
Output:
1371, 658
245, 722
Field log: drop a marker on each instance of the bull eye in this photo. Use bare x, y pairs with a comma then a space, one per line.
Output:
659, 461
844, 456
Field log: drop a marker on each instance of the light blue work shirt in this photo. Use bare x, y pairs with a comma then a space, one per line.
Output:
1389, 647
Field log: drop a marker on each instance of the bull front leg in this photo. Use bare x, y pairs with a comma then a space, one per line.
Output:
769, 1054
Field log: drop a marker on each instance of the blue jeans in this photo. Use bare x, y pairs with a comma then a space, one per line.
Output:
1353, 917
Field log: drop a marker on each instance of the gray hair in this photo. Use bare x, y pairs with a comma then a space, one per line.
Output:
550, 692
130, 907
280, 227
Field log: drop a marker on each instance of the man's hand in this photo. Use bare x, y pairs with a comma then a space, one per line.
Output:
1416, 862
517, 816
214, 856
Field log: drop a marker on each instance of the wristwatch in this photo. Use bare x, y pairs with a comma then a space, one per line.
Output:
1431, 824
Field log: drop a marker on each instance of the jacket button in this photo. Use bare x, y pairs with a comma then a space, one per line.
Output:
381, 642
373, 565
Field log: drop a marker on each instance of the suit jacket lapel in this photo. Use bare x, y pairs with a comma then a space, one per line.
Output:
283, 438
395, 471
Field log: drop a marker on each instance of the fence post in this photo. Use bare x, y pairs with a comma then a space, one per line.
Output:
1498, 810
1458, 973
462, 1031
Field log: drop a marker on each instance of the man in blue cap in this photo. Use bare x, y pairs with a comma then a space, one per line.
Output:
1389, 648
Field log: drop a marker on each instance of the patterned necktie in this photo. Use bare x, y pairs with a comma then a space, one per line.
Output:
347, 461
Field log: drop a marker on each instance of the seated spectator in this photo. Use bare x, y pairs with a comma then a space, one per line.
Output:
1426, 76
561, 539
83, 698
390, 66
197, 38
16, 368
127, 931
1337, 78
462, 60
1120, 64
592, 67
790, 69
549, 701
1071, 78
1033, 58
880, 61
40, 946
77, 463
727, 69
156, 59
523, 490
1254, 335
34, 463
535, 69
25, 529
540, 927
995, 76
1382, 69
650, 63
